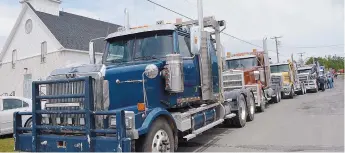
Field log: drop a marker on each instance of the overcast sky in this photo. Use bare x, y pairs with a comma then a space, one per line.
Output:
301, 23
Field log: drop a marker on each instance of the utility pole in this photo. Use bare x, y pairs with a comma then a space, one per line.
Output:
276, 39
127, 26
200, 17
301, 59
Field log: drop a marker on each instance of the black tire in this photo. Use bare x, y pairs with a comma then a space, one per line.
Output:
279, 97
262, 107
239, 120
251, 107
291, 93
28, 124
275, 99
145, 143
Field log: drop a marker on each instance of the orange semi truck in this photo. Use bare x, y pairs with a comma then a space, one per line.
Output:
252, 71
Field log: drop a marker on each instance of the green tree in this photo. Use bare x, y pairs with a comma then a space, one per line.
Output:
335, 62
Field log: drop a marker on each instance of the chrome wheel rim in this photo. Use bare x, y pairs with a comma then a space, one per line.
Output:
251, 106
243, 113
161, 142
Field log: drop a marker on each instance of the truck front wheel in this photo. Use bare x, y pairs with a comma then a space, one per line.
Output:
160, 138
292, 92
251, 107
241, 114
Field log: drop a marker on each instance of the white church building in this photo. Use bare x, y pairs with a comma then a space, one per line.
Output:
43, 39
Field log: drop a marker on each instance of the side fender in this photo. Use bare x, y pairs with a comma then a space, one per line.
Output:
152, 116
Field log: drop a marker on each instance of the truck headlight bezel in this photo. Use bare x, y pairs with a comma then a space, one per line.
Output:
129, 121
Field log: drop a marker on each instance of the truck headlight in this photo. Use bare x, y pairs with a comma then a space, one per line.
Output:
112, 121
151, 71
128, 122
45, 120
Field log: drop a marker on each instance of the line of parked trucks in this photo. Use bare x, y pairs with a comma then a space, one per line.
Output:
156, 86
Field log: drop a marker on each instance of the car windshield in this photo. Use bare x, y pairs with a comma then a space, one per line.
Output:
279, 68
142, 46
304, 71
241, 63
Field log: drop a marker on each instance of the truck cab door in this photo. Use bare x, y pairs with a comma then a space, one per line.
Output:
190, 68
214, 66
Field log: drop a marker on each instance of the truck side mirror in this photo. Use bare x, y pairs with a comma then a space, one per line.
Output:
92, 53
195, 40
257, 75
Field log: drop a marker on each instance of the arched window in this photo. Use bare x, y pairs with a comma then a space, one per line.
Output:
43, 51
14, 58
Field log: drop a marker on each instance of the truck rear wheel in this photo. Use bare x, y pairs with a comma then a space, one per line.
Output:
251, 107
279, 96
160, 138
274, 99
262, 106
240, 119
291, 93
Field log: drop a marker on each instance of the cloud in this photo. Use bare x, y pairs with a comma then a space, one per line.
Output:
300, 22
8, 16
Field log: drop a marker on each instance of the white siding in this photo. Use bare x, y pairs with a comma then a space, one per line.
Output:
13, 79
29, 45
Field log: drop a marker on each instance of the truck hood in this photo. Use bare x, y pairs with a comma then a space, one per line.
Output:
126, 86
81, 69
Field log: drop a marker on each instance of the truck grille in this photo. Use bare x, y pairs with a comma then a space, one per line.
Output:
276, 80
303, 78
232, 81
69, 103
62, 89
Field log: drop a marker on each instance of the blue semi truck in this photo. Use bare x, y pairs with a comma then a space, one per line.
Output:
155, 88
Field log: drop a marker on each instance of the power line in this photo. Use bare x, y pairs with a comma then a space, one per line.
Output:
241, 40
192, 19
318, 46
169, 9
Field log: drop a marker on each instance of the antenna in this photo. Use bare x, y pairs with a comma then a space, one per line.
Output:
127, 26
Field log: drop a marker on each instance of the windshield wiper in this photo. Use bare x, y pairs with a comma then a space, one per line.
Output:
116, 60
144, 58
242, 65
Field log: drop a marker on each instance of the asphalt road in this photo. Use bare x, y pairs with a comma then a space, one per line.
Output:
311, 122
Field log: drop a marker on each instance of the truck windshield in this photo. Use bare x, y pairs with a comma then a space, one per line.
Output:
241, 63
279, 68
142, 46
304, 71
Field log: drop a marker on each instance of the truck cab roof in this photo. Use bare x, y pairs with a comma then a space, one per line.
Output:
240, 57
305, 67
159, 27
279, 64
